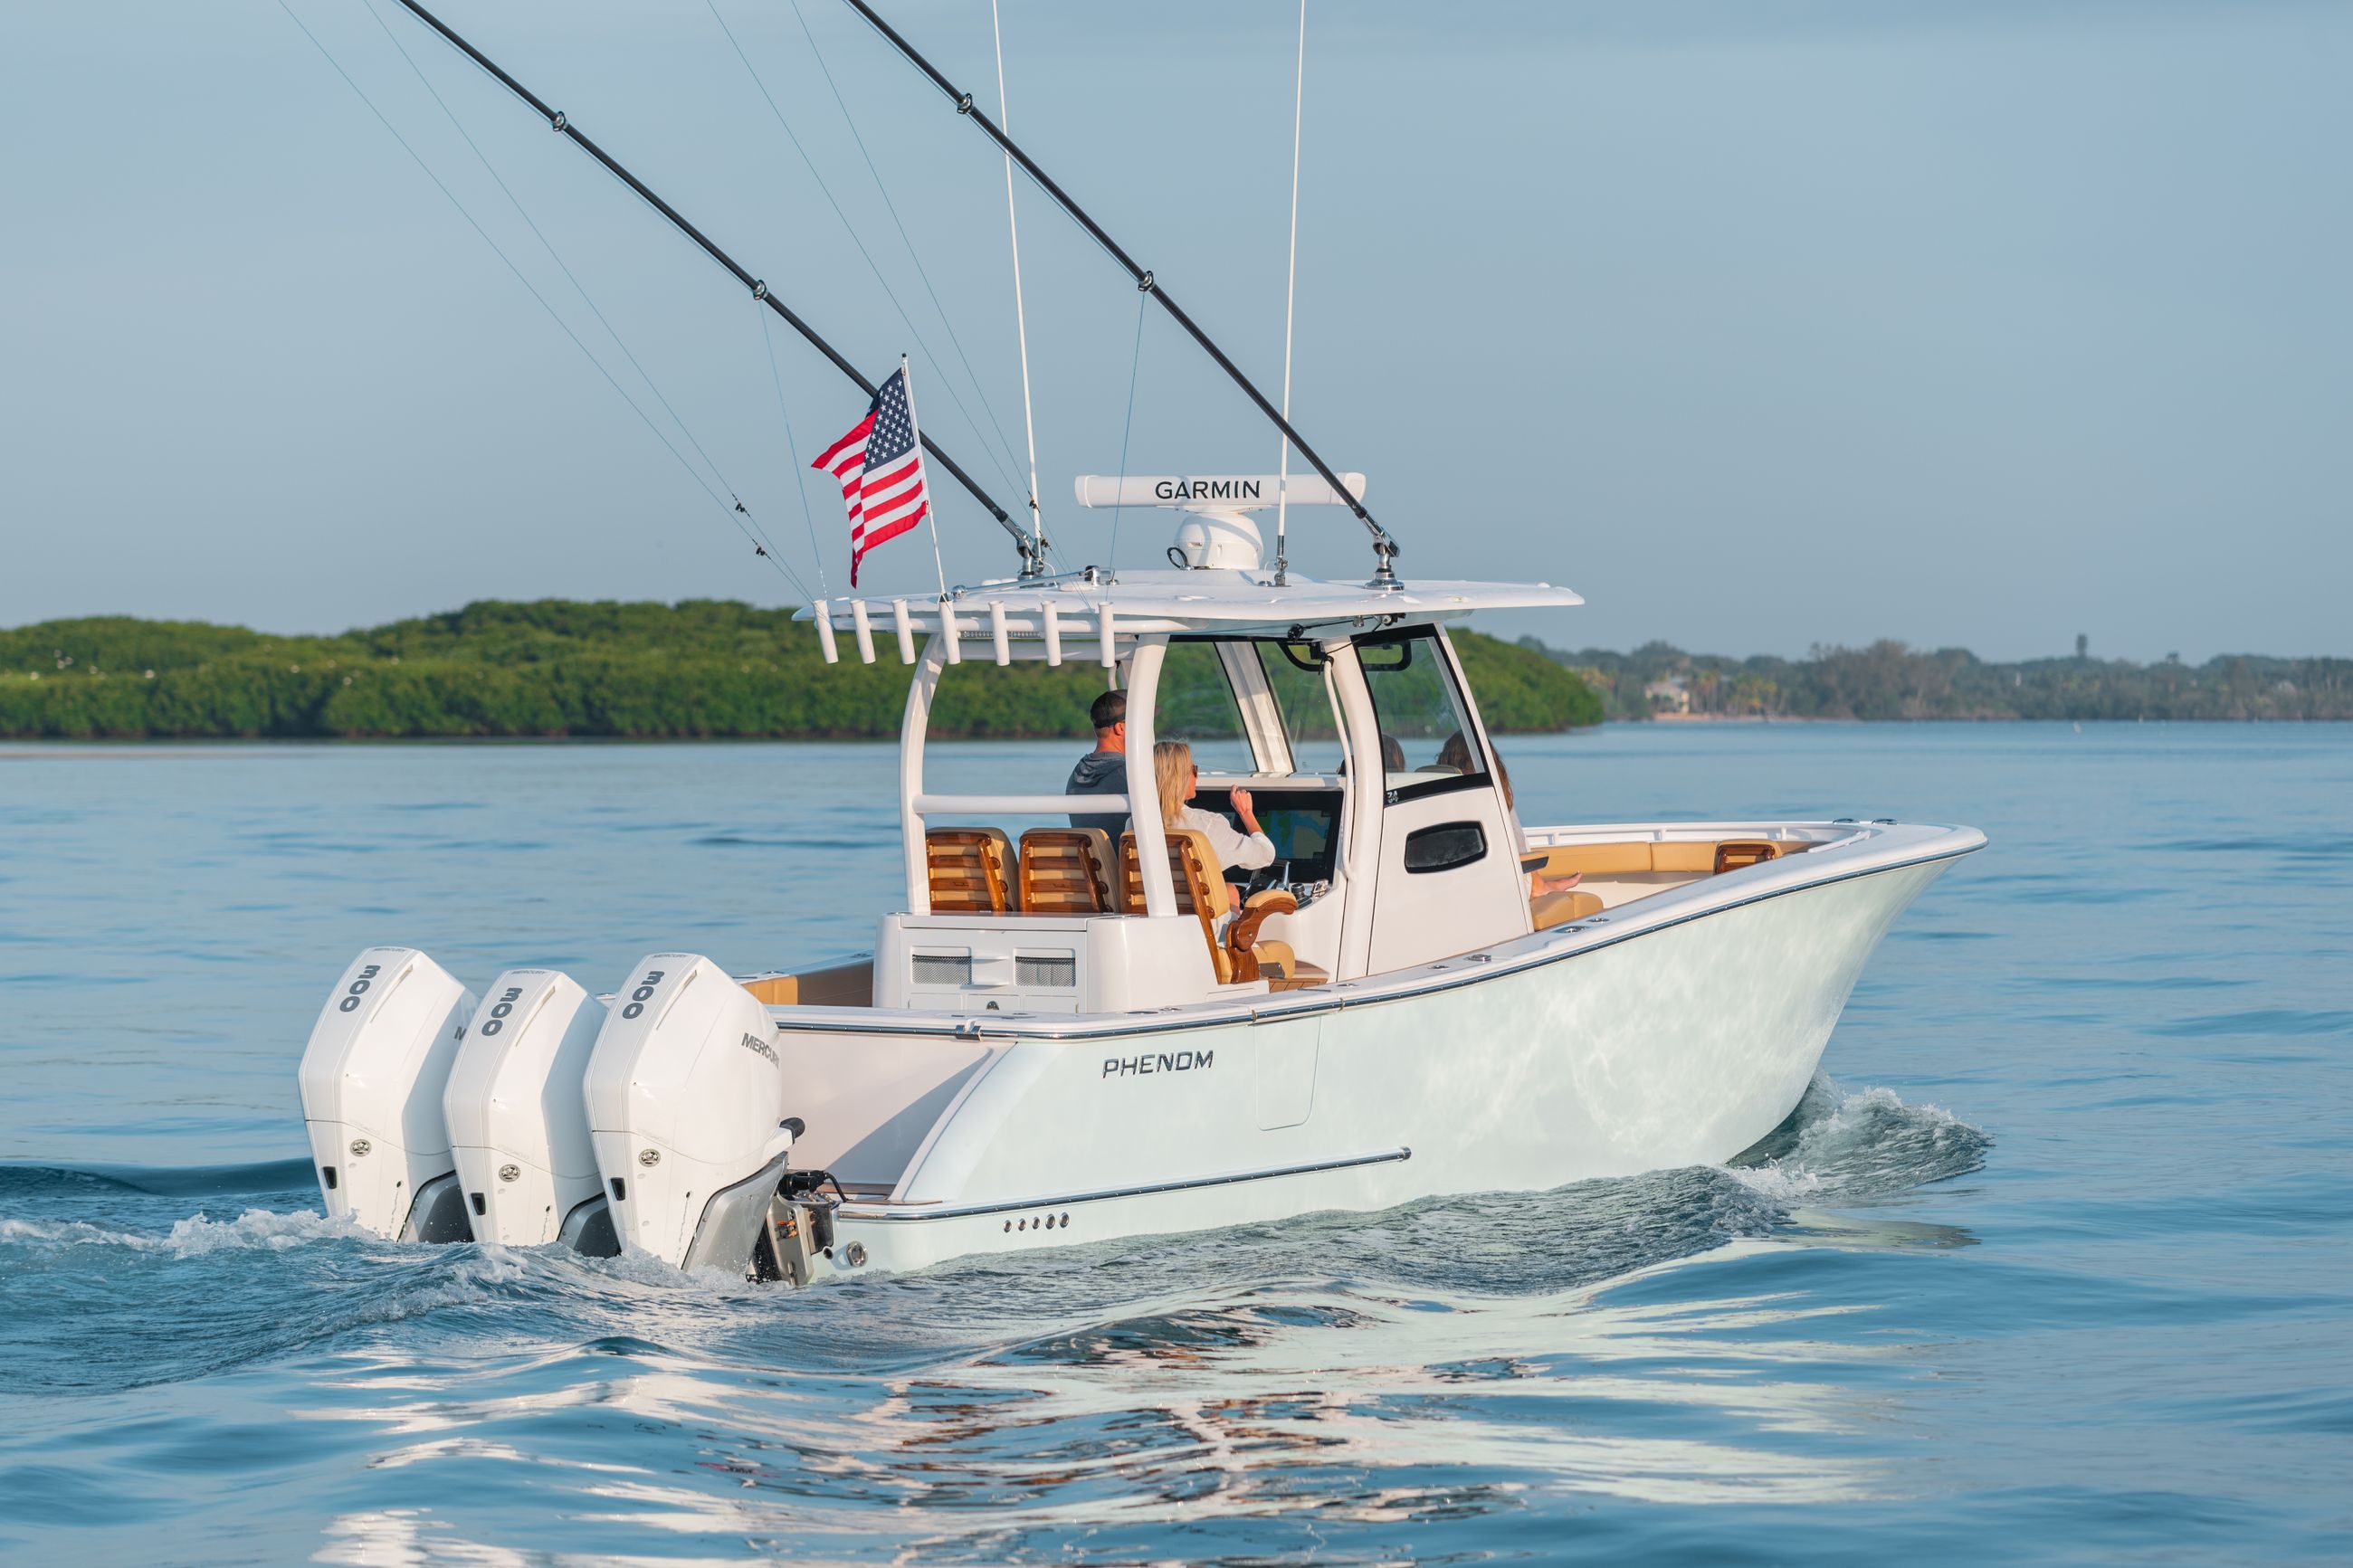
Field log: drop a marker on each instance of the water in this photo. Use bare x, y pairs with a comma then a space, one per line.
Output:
2055, 1265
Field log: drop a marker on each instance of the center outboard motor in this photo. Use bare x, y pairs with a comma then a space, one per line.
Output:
518, 1115
372, 1079
686, 1098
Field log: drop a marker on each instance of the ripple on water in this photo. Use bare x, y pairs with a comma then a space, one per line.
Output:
1459, 1357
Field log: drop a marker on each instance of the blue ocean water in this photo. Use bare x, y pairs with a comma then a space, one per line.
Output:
2054, 1264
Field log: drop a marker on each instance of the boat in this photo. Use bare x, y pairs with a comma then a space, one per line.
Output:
1058, 1040
1070, 1034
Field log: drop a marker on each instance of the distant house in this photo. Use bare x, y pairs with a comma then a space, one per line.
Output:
1672, 695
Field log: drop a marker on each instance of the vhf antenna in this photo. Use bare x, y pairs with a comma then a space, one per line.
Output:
1385, 549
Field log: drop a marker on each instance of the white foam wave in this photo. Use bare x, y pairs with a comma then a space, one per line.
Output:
1868, 1141
193, 1236
265, 1228
1781, 1182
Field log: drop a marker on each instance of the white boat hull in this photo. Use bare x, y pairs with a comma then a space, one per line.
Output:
1679, 1039
1674, 1029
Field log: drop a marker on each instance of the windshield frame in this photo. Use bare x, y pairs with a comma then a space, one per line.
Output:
1456, 687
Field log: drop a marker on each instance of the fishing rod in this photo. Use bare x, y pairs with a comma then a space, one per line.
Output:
1033, 551
1385, 547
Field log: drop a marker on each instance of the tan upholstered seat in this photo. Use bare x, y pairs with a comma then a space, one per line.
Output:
1201, 891
1549, 909
971, 870
1276, 960
1296, 973
1702, 856
1066, 872
1672, 855
1595, 860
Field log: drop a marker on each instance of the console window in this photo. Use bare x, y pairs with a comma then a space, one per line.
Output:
1196, 704
1426, 737
1295, 674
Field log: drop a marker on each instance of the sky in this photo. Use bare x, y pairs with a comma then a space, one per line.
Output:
1762, 325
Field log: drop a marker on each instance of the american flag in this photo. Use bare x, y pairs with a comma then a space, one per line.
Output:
881, 466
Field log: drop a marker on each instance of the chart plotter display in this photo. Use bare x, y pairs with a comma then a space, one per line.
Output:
1304, 824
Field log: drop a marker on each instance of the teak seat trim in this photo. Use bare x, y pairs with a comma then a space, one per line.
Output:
971, 870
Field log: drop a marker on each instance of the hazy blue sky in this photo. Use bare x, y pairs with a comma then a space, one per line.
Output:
1759, 324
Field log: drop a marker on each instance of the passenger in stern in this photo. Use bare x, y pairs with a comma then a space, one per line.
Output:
1103, 771
1173, 770
1456, 755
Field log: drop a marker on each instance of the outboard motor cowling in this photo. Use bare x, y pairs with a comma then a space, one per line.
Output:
372, 1079
686, 1095
518, 1110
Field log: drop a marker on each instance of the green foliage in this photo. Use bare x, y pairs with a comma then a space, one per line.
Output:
702, 668
1520, 688
1890, 680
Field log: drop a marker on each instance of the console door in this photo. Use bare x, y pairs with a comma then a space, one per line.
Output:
1447, 877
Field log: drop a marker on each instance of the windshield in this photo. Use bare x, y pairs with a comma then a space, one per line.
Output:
1295, 676
1423, 727
1196, 704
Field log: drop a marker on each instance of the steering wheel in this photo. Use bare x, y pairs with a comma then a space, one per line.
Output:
1264, 878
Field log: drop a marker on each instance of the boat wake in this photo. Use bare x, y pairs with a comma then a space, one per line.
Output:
79, 1246
1240, 1361
1838, 1146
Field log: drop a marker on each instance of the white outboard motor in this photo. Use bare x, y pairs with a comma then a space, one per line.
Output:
518, 1115
686, 1100
372, 1079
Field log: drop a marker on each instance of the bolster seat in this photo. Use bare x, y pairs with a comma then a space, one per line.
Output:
1547, 910
1202, 892
971, 871
1066, 872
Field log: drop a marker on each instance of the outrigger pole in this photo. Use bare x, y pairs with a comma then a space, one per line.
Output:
1033, 552
1385, 547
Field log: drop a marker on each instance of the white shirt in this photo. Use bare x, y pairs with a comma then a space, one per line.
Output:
1235, 852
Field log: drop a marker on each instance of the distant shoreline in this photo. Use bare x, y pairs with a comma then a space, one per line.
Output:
1676, 719
558, 669
1890, 680
214, 748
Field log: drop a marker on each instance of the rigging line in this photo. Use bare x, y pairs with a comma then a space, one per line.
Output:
792, 447
949, 386
1119, 506
667, 445
1290, 299
520, 211
1020, 317
883, 191
562, 124
1385, 547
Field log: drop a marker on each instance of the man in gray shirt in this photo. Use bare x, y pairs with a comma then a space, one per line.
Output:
1103, 771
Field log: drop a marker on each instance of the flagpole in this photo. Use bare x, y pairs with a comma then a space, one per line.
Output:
930, 512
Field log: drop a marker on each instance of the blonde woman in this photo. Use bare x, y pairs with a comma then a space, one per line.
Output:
1173, 770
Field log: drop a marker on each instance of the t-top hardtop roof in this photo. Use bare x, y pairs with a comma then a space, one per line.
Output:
1085, 605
